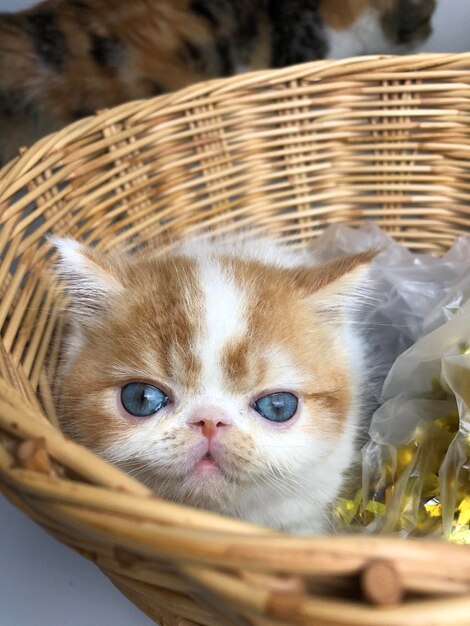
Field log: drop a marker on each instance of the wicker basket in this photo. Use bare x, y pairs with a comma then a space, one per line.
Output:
289, 151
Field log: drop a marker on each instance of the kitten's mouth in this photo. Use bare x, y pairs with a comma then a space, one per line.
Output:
206, 463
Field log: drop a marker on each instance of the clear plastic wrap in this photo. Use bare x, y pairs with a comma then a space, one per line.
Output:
415, 466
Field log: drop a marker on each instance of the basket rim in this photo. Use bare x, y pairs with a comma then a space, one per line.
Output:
326, 68
28, 423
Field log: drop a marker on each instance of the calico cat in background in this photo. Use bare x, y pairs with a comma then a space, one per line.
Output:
225, 376
64, 59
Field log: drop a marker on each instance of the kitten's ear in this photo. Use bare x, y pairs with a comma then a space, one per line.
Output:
91, 277
334, 284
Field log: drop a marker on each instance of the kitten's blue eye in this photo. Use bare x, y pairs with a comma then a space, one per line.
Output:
277, 407
142, 400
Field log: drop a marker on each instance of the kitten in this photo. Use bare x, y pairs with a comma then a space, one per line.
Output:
62, 60
227, 377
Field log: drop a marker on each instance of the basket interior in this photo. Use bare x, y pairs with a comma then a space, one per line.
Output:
287, 152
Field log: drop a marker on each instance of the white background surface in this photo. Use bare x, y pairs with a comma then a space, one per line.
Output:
42, 583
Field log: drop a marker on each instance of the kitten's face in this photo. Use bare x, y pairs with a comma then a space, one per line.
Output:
208, 374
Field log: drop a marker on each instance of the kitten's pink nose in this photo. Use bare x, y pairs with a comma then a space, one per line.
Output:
210, 420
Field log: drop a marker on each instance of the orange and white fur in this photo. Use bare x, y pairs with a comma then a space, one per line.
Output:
214, 328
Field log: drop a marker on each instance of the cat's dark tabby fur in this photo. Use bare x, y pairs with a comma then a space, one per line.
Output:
64, 59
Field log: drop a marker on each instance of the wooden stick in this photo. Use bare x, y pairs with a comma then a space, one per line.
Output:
381, 583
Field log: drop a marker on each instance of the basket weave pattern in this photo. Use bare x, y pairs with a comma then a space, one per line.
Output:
289, 152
